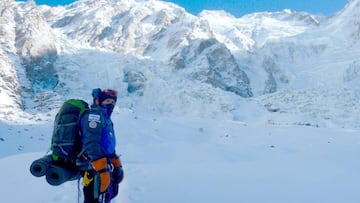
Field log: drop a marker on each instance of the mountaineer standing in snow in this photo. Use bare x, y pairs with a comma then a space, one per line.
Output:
101, 166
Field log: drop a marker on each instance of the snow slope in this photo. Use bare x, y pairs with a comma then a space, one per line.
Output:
168, 159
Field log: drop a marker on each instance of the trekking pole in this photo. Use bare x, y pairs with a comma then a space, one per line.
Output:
78, 186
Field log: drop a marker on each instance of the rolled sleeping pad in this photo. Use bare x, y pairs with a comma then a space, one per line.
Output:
40, 166
57, 175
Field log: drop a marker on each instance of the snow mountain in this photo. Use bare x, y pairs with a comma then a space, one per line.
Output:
165, 60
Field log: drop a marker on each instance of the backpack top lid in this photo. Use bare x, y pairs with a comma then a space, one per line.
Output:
74, 106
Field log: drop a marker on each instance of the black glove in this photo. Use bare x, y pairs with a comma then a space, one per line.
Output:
118, 173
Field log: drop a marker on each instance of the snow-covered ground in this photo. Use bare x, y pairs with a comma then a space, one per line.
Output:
175, 159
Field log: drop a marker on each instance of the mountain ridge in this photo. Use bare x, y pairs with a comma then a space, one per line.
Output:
226, 58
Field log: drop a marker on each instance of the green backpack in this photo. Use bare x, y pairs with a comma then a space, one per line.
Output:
66, 138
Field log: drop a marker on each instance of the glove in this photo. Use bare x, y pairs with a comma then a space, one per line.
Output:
100, 166
118, 173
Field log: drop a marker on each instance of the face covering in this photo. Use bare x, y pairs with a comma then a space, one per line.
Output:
109, 108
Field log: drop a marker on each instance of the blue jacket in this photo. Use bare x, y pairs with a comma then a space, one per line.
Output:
98, 136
